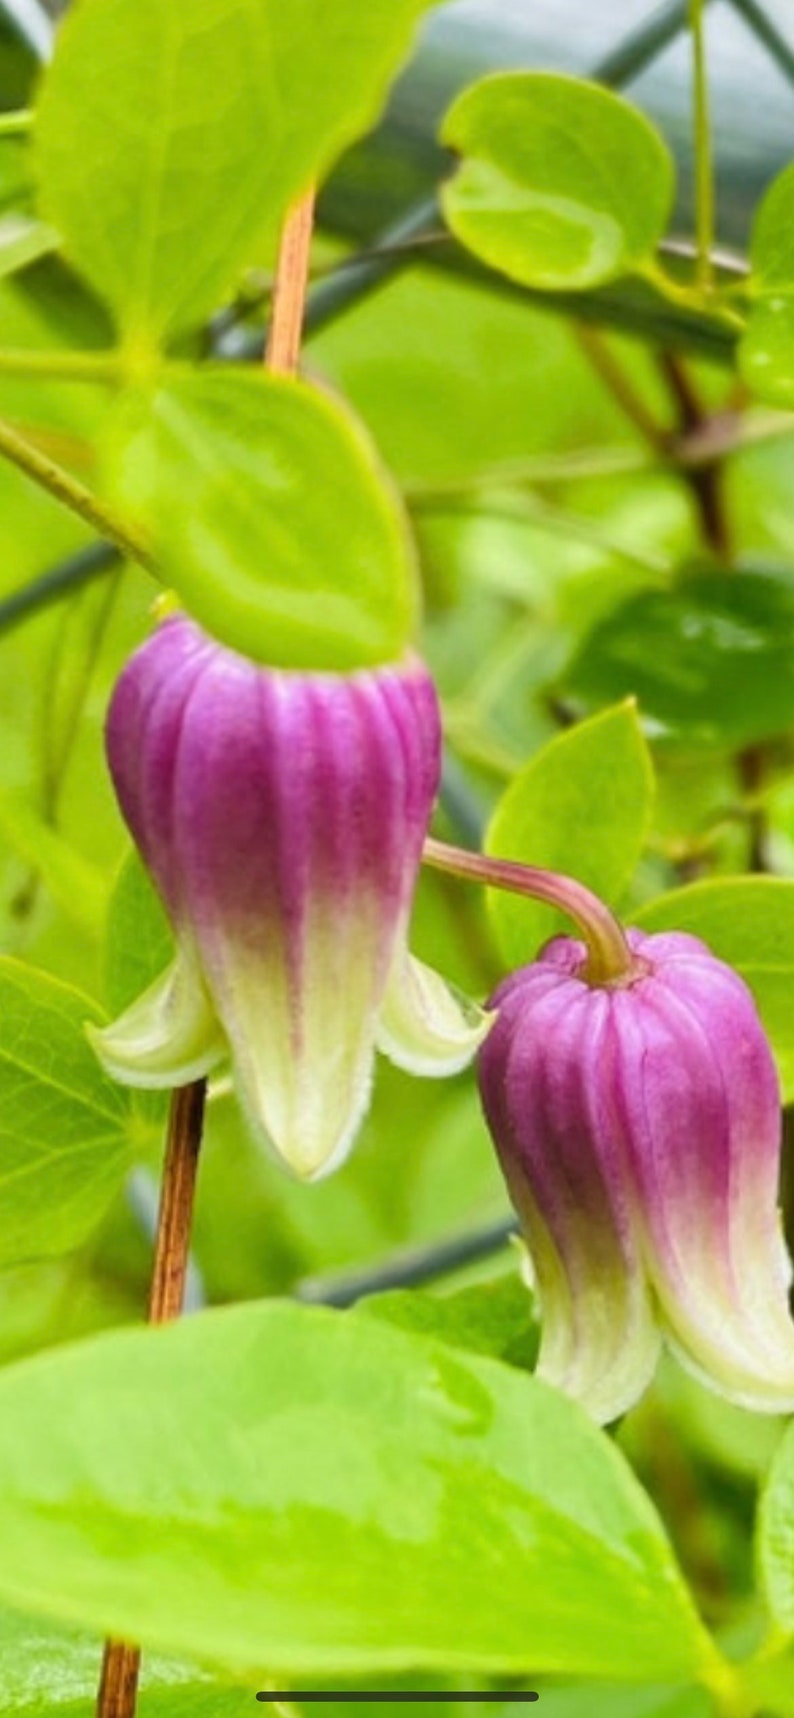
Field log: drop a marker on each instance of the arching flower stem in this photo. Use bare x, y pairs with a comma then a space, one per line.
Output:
610, 960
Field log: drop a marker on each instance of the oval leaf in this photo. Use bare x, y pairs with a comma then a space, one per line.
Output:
324, 1493
48, 1672
172, 135
268, 512
772, 242
766, 350
748, 922
776, 1535
64, 1139
562, 185
711, 660
580, 805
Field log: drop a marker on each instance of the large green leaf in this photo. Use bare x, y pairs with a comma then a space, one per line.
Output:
748, 922
22, 241
711, 660
172, 135
268, 512
776, 1536
74, 883
64, 1137
562, 185
772, 243
321, 1493
766, 353
581, 805
612, 1701
493, 1317
766, 350
48, 1672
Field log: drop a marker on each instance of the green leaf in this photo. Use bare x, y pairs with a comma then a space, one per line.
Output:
772, 242
685, 653
16, 188
64, 1144
139, 941
612, 1701
776, 1536
268, 512
562, 185
748, 922
172, 135
493, 1318
322, 1493
581, 805
23, 240
766, 350
770, 1685
75, 884
139, 945
48, 1672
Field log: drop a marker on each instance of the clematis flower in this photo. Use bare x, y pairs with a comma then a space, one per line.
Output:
281, 816
637, 1120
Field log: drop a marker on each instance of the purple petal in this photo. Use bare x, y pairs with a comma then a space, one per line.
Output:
547, 1097
282, 816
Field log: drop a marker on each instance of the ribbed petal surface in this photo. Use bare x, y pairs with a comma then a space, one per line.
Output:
639, 1132
701, 1111
282, 816
548, 1099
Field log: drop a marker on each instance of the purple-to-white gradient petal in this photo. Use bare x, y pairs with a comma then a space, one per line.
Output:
638, 1126
282, 816
701, 1112
548, 1106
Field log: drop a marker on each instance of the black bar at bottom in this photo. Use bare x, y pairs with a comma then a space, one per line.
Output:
416, 1694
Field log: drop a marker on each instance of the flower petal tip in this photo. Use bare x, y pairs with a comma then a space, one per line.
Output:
167, 1037
425, 1026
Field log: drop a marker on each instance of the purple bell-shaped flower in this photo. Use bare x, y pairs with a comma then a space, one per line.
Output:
637, 1120
282, 817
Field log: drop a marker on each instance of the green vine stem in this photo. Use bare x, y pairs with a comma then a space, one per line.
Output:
107, 367
16, 124
704, 165
74, 495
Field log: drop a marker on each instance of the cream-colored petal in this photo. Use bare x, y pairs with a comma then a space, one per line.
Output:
425, 1026
167, 1037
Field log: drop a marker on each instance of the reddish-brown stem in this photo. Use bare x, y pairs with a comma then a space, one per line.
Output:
118, 1689
620, 385
282, 349
705, 478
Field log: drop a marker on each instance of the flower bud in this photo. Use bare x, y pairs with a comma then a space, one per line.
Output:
282, 817
638, 1127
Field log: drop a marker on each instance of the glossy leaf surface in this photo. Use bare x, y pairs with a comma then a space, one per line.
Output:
562, 185
580, 805
270, 516
315, 1490
64, 1144
172, 136
711, 660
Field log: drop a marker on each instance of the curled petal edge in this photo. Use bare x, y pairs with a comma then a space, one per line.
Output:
425, 1026
167, 1037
